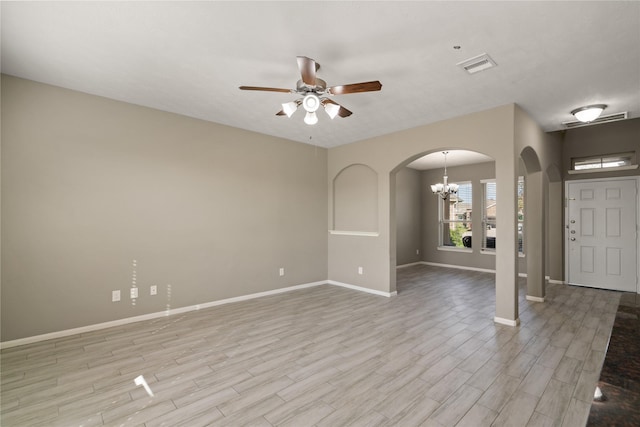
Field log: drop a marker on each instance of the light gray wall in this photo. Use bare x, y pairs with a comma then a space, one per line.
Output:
90, 184
555, 233
490, 132
468, 173
408, 216
541, 155
501, 133
355, 199
606, 138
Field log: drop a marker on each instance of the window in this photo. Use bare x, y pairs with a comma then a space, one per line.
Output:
620, 160
455, 217
489, 215
521, 215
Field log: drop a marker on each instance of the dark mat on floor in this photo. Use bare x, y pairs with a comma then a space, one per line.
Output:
620, 376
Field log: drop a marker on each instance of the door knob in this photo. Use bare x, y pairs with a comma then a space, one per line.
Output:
573, 239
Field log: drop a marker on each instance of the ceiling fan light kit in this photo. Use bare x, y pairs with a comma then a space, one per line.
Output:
331, 109
314, 92
311, 118
290, 107
311, 102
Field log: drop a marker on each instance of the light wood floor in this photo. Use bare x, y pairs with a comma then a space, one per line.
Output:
328, 356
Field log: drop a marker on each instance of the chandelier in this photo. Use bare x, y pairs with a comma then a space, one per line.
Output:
444, 189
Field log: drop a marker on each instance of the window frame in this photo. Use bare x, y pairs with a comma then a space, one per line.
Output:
486, 223
446, 222
603, 162
520, 224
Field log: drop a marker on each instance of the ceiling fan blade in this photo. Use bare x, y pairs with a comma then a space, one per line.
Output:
355, 88
308, 69
268, 89
342, 112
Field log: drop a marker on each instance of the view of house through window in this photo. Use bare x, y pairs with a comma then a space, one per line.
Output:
455, 216
489, 215
521, 214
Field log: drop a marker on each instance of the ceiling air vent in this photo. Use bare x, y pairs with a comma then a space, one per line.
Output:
602, 119
477, 63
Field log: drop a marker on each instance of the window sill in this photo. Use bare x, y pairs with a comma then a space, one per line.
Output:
454, 249
489, 252
355, 233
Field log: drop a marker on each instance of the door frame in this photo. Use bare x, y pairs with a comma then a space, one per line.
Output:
565, 241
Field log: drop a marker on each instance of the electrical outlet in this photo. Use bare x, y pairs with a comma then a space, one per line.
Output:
282, 271
134, 293
360, 270
417, 251
153, 290
115, 296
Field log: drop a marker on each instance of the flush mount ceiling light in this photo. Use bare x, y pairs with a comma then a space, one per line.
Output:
614, 117
588, 113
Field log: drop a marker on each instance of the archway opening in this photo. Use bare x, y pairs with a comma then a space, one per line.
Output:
534, 225
427, 229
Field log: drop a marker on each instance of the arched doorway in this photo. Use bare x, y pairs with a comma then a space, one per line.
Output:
430, 230
535, 224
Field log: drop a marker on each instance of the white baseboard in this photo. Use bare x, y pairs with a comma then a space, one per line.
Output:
459, 267
525, 275
535, 299
174, 311
557, 282
507, 322
411, 264
150, 316
361, 289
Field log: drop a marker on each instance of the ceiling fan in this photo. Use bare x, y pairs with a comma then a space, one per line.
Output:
314, 92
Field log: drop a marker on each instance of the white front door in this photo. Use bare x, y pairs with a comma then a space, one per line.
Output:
601, 234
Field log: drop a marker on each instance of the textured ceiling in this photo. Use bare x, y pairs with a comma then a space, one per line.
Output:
190, 57
454, 158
